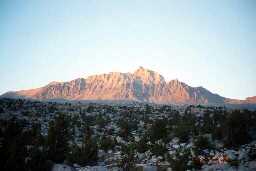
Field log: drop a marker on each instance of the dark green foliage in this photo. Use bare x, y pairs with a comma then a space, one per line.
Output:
106, 143
127, 125
158, 130
101, 121
185, 127
202, 142
78, 132
182, 131
1, 110
21, 148
236, 129
179, 163
142, 145
90, 109
158, 149
128, 160
148, 109
13, 150
58, 137
87, 154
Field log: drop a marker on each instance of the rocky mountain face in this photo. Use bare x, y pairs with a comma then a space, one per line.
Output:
251, 99
143, 85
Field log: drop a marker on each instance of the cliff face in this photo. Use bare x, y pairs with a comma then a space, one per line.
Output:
251, 99
143, 85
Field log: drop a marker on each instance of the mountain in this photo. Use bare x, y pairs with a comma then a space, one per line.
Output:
251, 99
143, 85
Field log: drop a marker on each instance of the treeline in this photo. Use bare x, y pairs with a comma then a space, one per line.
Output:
23, 147
209, 131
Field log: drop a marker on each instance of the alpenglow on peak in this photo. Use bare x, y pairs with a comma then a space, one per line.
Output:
148, 76
143, 85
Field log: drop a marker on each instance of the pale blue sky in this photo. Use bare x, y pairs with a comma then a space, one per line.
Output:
209, 43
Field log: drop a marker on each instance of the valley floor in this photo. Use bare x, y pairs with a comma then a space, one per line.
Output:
35, 135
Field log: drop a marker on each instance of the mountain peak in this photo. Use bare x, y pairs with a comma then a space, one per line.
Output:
53, 83
142, 85
251, 99
148, 76
142, 70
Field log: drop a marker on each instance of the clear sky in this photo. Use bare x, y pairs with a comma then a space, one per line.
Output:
209, 43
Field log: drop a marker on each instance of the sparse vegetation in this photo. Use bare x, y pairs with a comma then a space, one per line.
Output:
35, 135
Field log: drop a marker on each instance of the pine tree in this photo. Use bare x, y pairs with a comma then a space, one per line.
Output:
89, 150
58, 137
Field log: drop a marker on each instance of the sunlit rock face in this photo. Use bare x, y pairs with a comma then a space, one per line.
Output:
251, 99
142, 85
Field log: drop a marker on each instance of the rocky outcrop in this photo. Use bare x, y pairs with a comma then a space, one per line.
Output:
143, 85
251, 99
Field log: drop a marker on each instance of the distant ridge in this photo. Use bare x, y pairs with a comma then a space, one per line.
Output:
143, 85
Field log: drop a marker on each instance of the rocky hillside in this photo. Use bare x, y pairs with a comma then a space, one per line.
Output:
251, 99
143, 85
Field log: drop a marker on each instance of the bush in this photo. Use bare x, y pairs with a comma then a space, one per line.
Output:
202, 142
